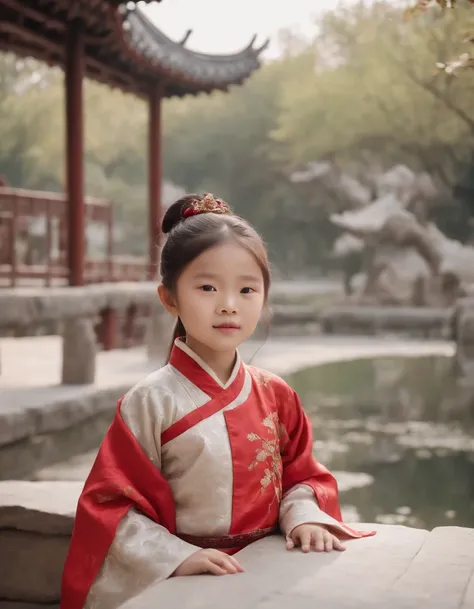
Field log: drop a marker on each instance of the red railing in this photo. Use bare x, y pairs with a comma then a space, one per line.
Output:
33, 241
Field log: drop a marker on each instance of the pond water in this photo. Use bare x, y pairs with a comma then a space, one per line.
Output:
399, 435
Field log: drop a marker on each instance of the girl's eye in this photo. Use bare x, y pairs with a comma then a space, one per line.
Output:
247, 290
207, 288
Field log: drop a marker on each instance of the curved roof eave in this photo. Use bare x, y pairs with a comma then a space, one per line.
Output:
173, 58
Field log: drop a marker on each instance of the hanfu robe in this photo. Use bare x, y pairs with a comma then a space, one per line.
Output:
191, 463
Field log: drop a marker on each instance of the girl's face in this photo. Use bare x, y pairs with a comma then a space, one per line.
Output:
219, 298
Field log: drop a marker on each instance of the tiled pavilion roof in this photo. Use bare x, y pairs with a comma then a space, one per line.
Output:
123, 48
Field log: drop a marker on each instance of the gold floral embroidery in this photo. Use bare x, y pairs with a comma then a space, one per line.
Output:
100, 498
268, 456
127, 491
262, 377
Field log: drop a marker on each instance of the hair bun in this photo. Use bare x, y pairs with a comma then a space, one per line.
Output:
174, 213
192, 205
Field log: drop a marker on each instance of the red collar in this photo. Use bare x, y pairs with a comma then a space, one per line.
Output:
195, 372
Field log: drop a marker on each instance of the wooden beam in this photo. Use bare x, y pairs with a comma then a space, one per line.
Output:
34, 15
109, 75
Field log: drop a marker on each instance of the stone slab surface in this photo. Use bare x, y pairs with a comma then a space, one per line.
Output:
39, 507
399, 568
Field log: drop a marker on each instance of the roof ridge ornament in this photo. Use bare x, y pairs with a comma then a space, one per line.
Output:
262, 47
184, 40
251, 43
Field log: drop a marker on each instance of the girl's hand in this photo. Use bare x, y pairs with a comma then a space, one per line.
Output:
313, 537
209, 561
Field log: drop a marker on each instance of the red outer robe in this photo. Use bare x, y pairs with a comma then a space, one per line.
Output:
270, 420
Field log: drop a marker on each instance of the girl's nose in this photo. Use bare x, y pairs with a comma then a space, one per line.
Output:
228, 305
229, 310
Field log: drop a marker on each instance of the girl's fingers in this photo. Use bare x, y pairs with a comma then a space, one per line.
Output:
214, 568
337, 545
318, 541
236, 564
225, 563
305, 540
329, 542
321, 540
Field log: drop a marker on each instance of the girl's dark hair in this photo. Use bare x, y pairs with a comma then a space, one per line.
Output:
189, 237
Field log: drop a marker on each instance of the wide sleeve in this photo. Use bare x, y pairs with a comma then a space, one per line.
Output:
300, 506
142, 552
123, 538
310, 493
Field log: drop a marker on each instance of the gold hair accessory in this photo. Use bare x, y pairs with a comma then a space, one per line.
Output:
208, 205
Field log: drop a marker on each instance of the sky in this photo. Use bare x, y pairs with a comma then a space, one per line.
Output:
226, 26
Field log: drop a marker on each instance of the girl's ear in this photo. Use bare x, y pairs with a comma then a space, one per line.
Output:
167, 300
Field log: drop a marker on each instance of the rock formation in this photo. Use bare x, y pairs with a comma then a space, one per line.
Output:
406, 259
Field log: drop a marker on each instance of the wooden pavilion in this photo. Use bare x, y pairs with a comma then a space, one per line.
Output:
116, 44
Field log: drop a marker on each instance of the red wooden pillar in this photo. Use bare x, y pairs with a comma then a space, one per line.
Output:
154, 181
109, 329
13, 240
74, 69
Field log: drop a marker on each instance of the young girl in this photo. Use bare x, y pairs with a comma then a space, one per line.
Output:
205, 455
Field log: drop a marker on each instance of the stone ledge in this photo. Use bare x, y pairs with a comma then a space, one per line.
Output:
57, 411
49, 432
15, 605
36, 522
26, 306
399, 568
39, 507
415, 321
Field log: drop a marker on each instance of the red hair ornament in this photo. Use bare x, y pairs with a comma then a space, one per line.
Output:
208, 205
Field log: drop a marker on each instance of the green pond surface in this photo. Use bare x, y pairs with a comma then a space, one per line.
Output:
399, 435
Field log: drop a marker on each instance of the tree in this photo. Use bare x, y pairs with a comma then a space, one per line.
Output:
465, 60
370, 103
362, 94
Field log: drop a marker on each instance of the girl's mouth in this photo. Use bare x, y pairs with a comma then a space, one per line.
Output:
227, 328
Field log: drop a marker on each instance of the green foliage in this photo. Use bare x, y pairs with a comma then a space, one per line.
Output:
465, 60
